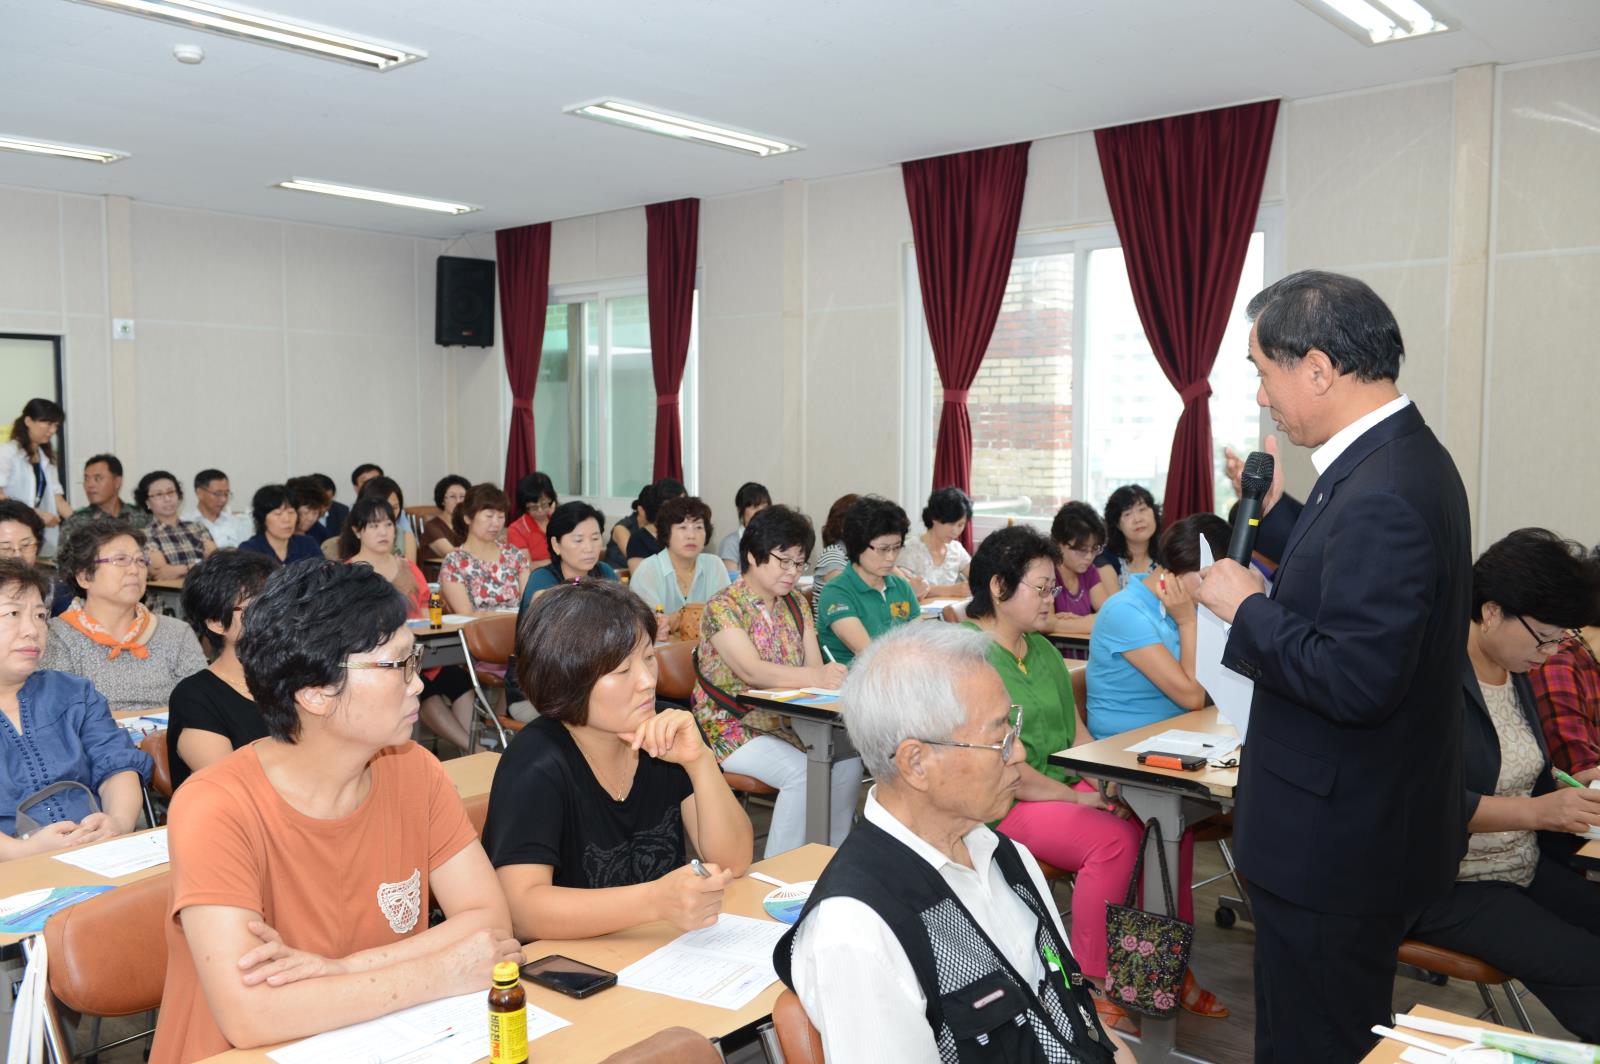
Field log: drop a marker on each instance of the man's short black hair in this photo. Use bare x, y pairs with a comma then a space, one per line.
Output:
213, 588
361, 470
205, 477
1535, 574
750, 494
773, 529
16, 510
78, 553
1006, 553
445, 484
268, 497
1337, 315
571, 637
327, 483
308, 620
947, 505
532, 488
868, 518
1179, 548
1077, 522
112, 462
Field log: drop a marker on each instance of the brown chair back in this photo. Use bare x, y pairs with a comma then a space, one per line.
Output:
155, 744
1079, 675
477, 811
492, 640
675, 1045
108, 955
800, 1041
675, 671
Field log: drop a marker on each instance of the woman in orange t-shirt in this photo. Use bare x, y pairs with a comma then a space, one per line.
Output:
304, 864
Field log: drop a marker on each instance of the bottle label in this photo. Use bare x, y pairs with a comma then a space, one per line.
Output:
508, 1037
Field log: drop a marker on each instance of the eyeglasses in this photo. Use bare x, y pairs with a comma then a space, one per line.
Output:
543, 506
18, 549
162, 495
1005, 746
788, 565
125, 561
1546, 645
1042, 590
1087, 552
410, 663
223, 494
887, 550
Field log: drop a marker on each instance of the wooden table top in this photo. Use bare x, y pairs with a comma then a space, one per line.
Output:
1109, 758
617, 1018
1388, 1051
1589, 855
830, 711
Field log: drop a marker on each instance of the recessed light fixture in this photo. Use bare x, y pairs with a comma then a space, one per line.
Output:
374, 195
1380, 21
267, 29
64, 151
651, 120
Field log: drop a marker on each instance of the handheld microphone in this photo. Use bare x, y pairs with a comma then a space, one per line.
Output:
1253, 485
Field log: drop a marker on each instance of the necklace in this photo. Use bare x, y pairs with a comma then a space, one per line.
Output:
615, 792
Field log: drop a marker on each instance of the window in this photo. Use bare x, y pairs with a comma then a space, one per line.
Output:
1070, 402
595, 403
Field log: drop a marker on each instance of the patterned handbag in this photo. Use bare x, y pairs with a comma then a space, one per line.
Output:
1148, 952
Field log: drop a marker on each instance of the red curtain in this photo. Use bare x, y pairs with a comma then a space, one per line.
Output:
671, 248
1184, 193
964, 211
523, 260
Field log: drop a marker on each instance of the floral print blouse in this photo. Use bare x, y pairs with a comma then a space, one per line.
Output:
777, 637
490, 587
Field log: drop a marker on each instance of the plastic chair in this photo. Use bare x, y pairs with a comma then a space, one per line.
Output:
477, 811
155, 744
1453, 965
675, 683
800, 1041
108, 957
489, 641
675, 1045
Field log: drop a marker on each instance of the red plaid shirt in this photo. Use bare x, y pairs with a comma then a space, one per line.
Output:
1567, 688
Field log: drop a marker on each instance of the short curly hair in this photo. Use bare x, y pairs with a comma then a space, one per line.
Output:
773, 529
1006, 553
868, 518
676, 512
78, 553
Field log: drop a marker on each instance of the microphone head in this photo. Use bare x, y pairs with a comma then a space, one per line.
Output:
1257, 476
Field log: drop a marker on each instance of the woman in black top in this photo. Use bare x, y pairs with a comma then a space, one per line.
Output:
593, 800
211, 713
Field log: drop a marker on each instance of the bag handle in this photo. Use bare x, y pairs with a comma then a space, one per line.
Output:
1151, 827
722, 699
26, 825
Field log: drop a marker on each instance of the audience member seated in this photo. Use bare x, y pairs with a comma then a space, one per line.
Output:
1567, 690
1058, 817
58, 729
616, 554
310, 506
483, 575
1079, 534
749, 500
211, 496
405, 533
645, 542
132, 656
679, 573
935, 563
594, 800
536, 498
1133, 521
832, 559
175, 546
368, 539
276, 519
868, 597
21, 533
1522, 910
757, 633
333, 517
304, 866
439, 535
1142, 670
102, 486
929, 936
210, 713
28, 467
363, 473
574, 533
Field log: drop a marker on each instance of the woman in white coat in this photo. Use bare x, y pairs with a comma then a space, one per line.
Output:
28, 467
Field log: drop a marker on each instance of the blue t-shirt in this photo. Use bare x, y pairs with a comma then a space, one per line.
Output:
548, 576
1121, 697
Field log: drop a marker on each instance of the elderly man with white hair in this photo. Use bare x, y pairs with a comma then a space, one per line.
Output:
930, 937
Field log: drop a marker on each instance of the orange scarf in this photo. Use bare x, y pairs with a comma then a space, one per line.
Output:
144, 625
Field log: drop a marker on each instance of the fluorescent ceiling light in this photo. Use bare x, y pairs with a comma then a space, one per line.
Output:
267, 29
622, 113
1380, 21
393, 199
64, 151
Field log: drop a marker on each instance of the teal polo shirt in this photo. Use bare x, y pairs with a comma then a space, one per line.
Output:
847, 595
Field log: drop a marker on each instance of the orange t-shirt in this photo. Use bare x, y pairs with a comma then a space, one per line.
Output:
333, 887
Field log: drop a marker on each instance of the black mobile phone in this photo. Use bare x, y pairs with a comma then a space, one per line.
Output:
1163, 759
567, 976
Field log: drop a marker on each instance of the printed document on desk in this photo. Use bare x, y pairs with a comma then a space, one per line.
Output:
448, 1031
1231, 692
726, 964
1209, 745
120, 857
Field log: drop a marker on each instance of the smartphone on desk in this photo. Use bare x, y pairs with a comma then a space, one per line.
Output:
567, 976
1163, 759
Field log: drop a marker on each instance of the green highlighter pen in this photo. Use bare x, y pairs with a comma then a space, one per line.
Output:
1568, 780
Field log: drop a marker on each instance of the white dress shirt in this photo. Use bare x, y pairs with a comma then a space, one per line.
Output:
228, 530
854, 979
1340, 441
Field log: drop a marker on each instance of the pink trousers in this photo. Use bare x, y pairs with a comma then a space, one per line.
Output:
1100, 847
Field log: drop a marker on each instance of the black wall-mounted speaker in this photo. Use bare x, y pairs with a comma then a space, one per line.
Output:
463, 310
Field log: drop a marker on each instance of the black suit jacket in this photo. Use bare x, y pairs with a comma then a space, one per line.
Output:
1481, 746
1350, 790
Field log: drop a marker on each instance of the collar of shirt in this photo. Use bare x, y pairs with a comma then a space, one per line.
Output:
980, 842
1340, 441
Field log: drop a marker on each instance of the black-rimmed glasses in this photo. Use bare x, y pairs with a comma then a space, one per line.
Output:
410, 663
1546, 646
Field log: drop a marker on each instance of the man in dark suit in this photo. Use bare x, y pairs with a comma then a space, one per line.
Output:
1349, 816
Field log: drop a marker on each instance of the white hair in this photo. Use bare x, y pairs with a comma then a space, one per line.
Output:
903, 686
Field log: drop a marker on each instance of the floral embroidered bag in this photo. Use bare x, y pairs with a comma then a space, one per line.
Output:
1148, 952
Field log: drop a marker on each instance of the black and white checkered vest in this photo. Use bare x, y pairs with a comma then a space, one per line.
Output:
978, 1006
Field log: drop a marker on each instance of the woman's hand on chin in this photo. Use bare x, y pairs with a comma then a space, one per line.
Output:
670, 736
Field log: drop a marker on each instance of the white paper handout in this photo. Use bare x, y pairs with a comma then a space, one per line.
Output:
1209, 745
122, 856
1231, 692
451, 1030
727, 964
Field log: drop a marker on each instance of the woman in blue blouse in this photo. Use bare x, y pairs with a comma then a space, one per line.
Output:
276, 520
57, 728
